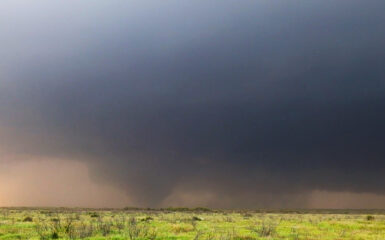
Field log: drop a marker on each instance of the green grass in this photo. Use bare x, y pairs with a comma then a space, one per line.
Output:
23, 223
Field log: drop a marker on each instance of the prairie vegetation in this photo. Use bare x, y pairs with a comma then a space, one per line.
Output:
194, 224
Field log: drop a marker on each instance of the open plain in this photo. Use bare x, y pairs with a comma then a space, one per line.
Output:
181, 223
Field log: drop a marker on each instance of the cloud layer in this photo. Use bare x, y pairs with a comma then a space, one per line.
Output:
243, 103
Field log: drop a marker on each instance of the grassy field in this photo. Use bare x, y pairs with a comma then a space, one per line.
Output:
24, 223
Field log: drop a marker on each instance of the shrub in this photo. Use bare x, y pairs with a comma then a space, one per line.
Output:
370, 218
105, 227
84, 230
94, 215
265, 230
195, 218
147, 219
202, 209
27, 219
139, 231
132, 209
55, 235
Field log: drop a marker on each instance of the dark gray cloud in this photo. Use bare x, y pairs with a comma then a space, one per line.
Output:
241, 99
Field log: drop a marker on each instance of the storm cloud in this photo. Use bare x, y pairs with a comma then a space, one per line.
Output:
256, 103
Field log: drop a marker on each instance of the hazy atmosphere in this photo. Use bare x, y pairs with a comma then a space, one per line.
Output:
223, 103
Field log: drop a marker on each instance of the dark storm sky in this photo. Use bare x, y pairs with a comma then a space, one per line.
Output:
242, 99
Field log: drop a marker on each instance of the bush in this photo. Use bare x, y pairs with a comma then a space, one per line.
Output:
55, 235
94, 215
147, 219
202, 209
27, 219
370, 218
136, 230
132, 209
195, 218
265, 230
247, 215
